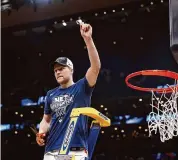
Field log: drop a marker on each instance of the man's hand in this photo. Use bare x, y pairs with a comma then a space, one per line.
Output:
40, 139
86, 31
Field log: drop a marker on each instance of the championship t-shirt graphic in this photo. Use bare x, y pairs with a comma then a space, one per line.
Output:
59, 105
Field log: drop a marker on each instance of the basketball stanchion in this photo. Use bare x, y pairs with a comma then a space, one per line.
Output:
173, 27
99, 121
164, 114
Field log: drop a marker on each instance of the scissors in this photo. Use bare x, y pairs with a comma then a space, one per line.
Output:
79, 22
34, 129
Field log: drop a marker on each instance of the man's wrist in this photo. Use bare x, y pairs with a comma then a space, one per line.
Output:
88, 40
41, 132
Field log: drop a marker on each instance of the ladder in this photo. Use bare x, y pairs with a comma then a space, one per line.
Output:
99, 121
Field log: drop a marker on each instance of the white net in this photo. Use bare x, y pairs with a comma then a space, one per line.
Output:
164, 115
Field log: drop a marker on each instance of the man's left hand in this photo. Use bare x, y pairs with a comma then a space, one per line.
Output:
86, 31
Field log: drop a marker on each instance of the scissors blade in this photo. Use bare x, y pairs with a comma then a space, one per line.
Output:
34, 130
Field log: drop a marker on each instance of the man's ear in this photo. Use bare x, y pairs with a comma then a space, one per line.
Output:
72, 70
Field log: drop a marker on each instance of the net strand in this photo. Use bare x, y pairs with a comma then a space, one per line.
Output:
164, 115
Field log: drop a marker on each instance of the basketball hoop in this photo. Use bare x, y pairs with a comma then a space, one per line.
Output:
164, 114
163, 73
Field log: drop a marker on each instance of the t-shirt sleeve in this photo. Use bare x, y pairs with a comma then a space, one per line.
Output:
47, 109
86, 87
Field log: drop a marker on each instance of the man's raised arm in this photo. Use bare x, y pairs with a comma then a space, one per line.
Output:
95, 64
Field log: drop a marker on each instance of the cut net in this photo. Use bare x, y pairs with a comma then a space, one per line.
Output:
164, 115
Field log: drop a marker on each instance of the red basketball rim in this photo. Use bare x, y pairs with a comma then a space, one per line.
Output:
163, 73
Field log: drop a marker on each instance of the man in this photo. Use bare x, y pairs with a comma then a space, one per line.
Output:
61, 100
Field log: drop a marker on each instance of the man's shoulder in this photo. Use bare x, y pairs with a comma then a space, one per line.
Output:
81, 80
52, 91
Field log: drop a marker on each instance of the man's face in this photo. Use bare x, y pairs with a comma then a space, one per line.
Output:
62, 73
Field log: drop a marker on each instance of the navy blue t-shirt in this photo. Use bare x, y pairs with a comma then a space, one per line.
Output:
59, 103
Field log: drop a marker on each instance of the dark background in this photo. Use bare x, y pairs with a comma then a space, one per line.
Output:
134, 39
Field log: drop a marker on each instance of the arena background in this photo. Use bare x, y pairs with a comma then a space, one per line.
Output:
129, 35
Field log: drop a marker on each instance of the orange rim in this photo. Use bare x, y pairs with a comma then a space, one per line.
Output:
163, 73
